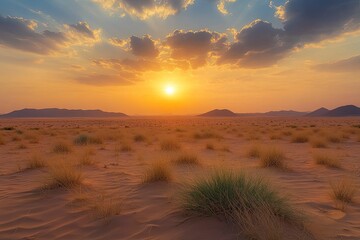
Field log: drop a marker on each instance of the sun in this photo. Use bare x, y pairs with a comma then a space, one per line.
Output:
169, 90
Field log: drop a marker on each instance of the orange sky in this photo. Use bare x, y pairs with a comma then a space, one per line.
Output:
121, 57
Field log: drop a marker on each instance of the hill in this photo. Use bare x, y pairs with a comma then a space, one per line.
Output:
318, 113
60, 113
344, 111
219, 113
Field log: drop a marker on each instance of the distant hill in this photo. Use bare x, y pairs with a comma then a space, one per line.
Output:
60, 113
219, 113
344, 111
318, 113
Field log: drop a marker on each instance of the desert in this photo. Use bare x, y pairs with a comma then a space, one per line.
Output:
137, 178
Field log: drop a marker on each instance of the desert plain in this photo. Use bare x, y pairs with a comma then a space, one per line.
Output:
139, 178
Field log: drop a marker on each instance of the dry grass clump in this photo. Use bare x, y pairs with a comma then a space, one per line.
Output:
170, 145
105, 207
206, 135
63, 175
158, 171
187, 158
84, 139
318, 142
35, 162
334, 138
210, 146
139, 138
86, 159
343, 192
22, 146
327, 160
299, 138
125, 147
254, 151
240, 199
275, 136
272, 157
61, 147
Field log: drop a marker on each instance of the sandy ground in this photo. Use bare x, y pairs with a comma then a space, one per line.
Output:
151, 210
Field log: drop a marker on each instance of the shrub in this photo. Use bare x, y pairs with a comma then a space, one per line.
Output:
210, 146
187, 158
158, 172
327, 160
139, 138
170, 145
300, 138
272, 157
61, 147
105, 207
343, 190
35, 162
84, 139
86, 159
318, 143
254, 151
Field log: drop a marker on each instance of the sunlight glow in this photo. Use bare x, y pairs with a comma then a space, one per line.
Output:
169, 90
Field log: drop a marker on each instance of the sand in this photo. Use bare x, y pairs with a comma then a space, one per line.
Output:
152, 210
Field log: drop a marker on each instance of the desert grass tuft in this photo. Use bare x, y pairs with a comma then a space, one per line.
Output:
84, 139
105, 207
272, 157
86, 159
158, 171
187, 158
139, 138
327, 160
228, 195
170, 145
61, 147
254, 151
35, 162
318, 142
210, 146
63, 175
343, 190
299, 138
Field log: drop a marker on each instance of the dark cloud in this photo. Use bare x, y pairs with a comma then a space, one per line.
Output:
83, 28
146, 8
260, 44
315, 20
195, 47
346, 65
19, 33
143, 47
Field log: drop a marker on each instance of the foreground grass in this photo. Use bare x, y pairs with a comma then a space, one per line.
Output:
158, 172
241, 199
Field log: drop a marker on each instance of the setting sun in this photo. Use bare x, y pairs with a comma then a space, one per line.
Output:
169, 90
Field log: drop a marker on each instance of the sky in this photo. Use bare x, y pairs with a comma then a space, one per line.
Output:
159, 57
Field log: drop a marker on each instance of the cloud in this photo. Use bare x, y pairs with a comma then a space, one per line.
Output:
143, 47
144, 9
195, 46
221, 6
21, 34
259, 44
346, 65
